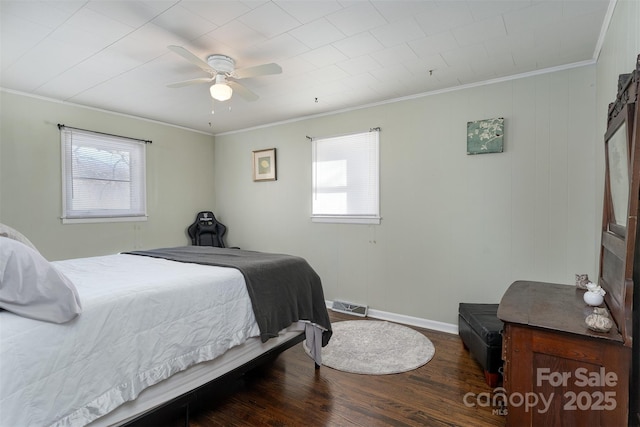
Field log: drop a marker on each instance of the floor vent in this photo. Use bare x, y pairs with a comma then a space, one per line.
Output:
349, 308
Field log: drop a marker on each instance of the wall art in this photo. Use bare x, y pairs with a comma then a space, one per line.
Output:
485, 136
264, 165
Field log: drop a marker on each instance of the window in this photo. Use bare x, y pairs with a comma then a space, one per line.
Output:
103, 177
345, 179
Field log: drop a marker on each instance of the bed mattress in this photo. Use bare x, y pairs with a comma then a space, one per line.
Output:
129, 337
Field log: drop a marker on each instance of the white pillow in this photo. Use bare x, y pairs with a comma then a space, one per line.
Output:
6, 231
31, 287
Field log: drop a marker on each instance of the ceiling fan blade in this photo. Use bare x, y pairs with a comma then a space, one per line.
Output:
191, 82
258, 70
192, 58
242, 91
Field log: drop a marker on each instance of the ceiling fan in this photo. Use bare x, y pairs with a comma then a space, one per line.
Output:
222, 72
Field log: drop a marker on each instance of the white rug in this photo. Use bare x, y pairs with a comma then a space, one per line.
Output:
375, 347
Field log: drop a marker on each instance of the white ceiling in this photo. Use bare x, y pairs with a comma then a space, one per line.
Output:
335, 55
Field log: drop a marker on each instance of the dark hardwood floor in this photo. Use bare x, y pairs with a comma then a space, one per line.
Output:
290, 392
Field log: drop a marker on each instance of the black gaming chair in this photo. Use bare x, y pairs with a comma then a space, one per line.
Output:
207, 231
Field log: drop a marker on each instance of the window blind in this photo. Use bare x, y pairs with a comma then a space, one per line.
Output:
103, 176
345, 178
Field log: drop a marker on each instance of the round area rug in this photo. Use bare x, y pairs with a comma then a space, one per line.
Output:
375, 347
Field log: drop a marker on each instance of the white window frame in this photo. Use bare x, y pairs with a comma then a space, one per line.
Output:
70, 140
362, 148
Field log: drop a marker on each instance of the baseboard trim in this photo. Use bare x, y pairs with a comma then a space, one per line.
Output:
409, 320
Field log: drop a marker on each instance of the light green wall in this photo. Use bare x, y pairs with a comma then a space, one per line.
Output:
179, 179
455, 227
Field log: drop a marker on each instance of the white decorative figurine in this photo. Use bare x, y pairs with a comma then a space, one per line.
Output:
594, 295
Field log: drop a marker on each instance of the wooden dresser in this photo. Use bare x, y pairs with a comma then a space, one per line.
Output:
557, 371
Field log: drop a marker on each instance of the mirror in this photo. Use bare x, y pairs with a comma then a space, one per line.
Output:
618, 174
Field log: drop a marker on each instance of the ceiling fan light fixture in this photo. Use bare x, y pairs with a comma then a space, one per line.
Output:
220, 91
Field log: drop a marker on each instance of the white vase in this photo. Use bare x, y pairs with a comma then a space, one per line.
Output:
593, 298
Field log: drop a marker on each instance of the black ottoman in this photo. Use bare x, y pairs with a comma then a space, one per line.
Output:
481, 333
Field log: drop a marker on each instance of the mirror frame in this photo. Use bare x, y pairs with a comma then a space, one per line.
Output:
618, 244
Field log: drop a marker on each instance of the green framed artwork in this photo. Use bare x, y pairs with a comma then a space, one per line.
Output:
485, 136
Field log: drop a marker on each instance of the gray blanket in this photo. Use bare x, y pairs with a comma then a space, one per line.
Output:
283, 288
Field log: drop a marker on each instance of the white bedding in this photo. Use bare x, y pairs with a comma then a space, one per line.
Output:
89, 366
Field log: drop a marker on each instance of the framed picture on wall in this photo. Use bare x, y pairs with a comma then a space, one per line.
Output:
264, 165
485, 136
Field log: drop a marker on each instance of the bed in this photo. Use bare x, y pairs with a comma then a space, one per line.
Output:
144, 328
